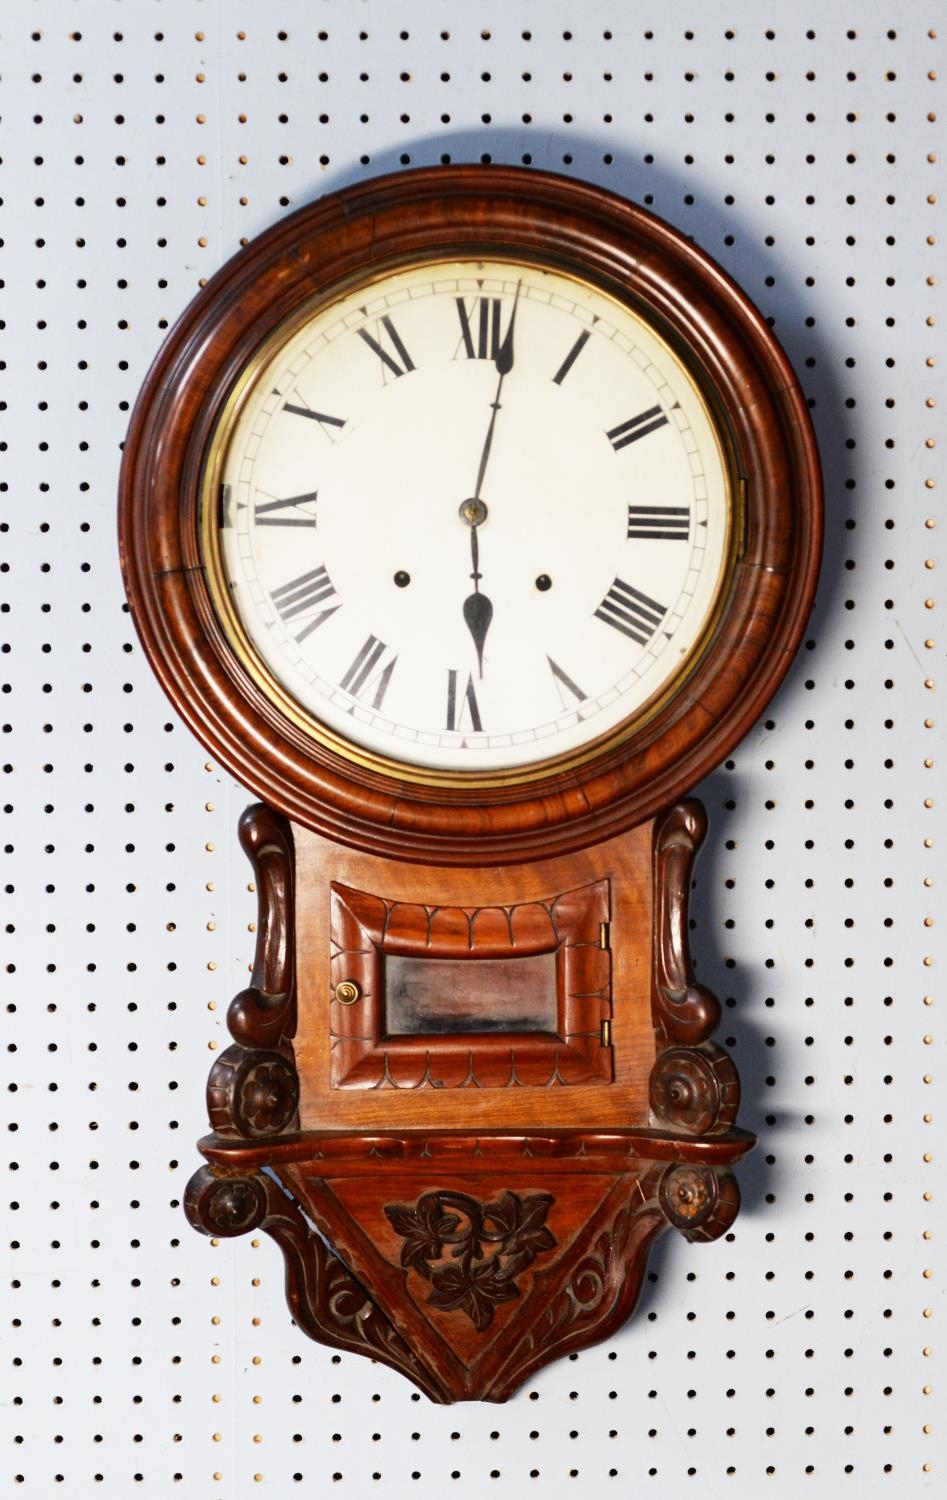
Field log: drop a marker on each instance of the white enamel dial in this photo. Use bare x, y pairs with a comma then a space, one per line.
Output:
472, 517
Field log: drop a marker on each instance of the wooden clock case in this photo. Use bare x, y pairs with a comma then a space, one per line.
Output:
472, 1058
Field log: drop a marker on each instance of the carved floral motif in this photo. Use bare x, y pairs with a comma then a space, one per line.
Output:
269, 1095
490, 1245
251, 1094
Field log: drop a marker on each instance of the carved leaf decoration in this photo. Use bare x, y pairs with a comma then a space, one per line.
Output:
423, 1229
532, 1233
505, 1213
532, 1236
475, 1291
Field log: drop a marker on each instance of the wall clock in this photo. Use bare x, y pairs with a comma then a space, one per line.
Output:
469, 517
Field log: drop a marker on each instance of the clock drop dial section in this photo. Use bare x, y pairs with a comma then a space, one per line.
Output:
474, 516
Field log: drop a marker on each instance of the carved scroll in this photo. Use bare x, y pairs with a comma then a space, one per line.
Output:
253, 1088
694, 1087
265, 1014
684, 1011
326, 1300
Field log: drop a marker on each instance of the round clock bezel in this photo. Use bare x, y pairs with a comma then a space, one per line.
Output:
474, 212
306, 719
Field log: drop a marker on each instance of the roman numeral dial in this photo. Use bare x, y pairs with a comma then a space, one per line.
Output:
630, 611
388, 344
474, 517
301, 600
295, 510
659, 523
636, 428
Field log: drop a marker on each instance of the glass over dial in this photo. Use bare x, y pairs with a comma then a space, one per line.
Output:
472, 517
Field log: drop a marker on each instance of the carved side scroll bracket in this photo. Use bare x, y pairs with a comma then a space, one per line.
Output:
326, 1300
253, 1088
684, 1011
265, 1014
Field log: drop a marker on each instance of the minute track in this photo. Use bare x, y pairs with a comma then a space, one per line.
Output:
513, 595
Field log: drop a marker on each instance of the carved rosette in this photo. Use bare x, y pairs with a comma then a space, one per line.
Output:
224, 1205
252, 1094
695, 1089
699, 1201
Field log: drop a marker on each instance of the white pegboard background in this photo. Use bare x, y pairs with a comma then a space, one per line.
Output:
799, 144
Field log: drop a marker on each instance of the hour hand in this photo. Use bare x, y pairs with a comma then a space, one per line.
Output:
478, 612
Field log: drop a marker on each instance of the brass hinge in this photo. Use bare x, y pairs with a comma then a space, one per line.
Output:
603, 934
606, 1033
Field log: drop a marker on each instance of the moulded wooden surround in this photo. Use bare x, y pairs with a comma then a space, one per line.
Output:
490, 1194
430, 214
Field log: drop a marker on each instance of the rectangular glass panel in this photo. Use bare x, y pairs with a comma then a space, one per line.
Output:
449, 995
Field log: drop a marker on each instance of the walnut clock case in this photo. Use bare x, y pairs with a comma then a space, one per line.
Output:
470, 516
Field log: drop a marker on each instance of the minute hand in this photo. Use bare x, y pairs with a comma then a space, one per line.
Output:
504, 364
478, 609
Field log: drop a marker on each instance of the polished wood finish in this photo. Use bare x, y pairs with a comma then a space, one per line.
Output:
312, 256
471, 1245
490, 1191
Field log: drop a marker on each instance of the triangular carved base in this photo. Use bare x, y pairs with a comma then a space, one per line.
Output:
467, 1262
